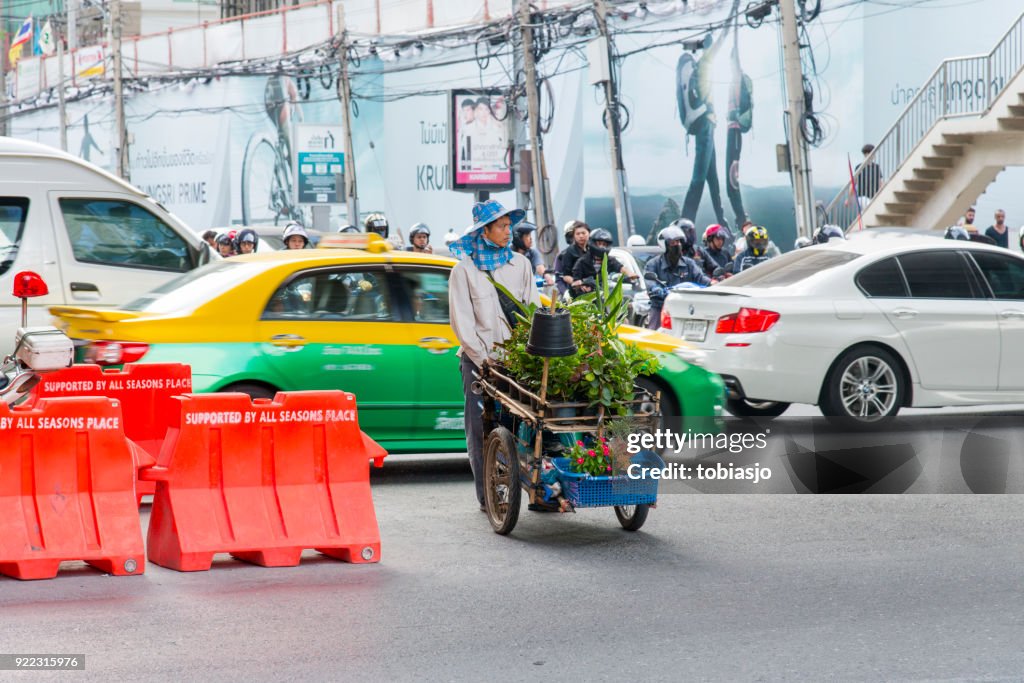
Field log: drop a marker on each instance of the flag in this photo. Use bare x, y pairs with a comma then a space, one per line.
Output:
24, 35
853, 194
46, 43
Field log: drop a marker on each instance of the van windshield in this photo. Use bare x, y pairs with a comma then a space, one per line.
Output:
13, 211
193, 289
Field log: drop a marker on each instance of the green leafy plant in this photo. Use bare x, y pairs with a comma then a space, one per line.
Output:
603, 369
594, 459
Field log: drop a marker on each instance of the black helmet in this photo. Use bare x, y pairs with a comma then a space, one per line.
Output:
828, 232
248, 235
225, 238
378, 223
522, 229
599, 235
955, 232
419, 229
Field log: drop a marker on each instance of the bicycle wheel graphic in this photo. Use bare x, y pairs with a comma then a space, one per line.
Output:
260, 184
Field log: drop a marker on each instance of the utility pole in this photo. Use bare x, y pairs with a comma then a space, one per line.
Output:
603, 52
799, 158
3, 71
62, 112
533, 117
122, 131
345, 95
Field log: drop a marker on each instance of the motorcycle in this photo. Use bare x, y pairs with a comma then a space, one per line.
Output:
37, 350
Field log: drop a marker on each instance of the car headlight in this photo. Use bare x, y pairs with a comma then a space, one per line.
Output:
691, 356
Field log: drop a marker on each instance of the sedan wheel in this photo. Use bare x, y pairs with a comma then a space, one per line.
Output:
866, 385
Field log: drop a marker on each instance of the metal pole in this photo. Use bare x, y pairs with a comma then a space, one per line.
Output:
533, 118
122, 130
623, 224
345, 95
62, 112
799, 159
520, 134
3, 71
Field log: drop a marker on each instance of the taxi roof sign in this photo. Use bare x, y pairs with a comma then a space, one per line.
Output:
367, 241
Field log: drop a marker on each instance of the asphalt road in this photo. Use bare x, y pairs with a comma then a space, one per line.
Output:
714, 587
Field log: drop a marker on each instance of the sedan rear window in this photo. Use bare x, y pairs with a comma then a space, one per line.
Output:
883, 279
791, 268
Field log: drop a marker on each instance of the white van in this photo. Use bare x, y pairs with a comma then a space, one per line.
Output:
94, 238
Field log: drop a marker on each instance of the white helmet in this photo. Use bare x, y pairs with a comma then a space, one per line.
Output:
636, 241
294, 228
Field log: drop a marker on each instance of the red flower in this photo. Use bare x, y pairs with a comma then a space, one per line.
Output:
579, 443
591, 453
606, 450
579, 461
609, 468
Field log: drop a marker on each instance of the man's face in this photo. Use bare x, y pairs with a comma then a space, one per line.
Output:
1000, 217
467, 113
717, 241
499, 231
528, 240
295, 242
247, 247
420, 240
224, 249
970, 215
601, 244
482, 113
580, 237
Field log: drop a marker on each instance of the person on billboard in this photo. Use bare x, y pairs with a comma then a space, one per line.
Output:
489, 138
467, 109
694, 99
740, 119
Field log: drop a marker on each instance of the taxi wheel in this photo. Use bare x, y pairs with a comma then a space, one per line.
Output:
253, 390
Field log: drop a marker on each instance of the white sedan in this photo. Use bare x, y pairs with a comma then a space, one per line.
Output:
864, 327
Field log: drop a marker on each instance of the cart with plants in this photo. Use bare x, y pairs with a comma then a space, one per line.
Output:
558, 407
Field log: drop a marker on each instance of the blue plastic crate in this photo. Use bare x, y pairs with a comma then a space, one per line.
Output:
585, 491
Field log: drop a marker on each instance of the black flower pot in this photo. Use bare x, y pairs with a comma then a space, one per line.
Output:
551, 334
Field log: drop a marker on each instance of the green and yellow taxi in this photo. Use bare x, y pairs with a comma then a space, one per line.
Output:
367, 320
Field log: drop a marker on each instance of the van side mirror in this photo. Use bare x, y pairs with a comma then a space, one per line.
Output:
28, 284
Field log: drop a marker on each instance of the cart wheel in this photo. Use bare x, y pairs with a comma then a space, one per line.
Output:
501, 480
632, 517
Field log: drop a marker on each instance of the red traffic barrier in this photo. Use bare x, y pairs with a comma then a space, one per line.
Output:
264, 480
145, 392
67, 485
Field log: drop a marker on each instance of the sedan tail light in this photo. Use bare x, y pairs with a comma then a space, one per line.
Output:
114, 352
666, 319
747, 320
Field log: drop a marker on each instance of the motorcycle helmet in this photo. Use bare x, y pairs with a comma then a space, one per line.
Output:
828, 232
225, 239
522, 229
293, 229
378, 223
636, 241
713, 230
757, 240
348, 227
802, 242
570, 229
671, 234
955, 232
419, 229
248, 236
686, 225
600, 242
450, 236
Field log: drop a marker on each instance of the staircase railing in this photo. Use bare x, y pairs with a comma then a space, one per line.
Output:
961, 86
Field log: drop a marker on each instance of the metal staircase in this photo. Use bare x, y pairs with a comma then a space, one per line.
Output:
964, 126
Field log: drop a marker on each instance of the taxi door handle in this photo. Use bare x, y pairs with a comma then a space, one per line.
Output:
435, 344
288, 340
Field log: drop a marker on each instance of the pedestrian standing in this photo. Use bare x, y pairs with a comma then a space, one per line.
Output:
481, 315
998, 232
968, 223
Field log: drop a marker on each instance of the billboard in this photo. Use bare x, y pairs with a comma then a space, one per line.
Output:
481, 149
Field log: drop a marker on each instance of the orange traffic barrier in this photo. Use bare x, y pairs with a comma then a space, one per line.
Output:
145, 392
263, 480
67, 484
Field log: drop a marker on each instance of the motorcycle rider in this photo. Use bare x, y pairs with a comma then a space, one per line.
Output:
715, 254
247, 241
756, 251
956, 232
522, 243
671, 268
587, 270
577, 233
226, 246
827, 233
378, 223
295, 236
419, 239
